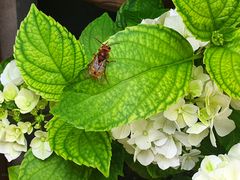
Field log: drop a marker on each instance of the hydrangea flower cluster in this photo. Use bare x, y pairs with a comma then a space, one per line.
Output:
171, 138
220, 167
17, 100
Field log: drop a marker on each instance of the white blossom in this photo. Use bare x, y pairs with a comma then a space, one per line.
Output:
26, 100
183, 114
173, 20
165, 163
222, 167
143, 133
40, 145
11, 74
10, 91
121, 132
12, 140
235, 103
188, 160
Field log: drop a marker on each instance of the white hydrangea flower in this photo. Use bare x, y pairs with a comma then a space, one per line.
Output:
40, 145
12, 140
188, 160
235, 103
174, 21
198, 81
234, 152
121, 132
198, 74
26, 100
143, 133
15, 134
168, 146
163, 123
145, 157
10, 91
183, 114
12, 150
11, 74
220, 167
219, 122
165, 163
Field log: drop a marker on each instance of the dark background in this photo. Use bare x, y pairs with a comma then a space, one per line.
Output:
75, 15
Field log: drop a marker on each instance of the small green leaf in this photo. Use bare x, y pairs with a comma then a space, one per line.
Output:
98, 30
88, 148
51, 168
116, 168
48, 56
151, 69
132, 12
223, 65
13, 172
203, 17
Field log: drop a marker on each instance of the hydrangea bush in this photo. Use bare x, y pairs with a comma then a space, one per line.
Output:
167, 105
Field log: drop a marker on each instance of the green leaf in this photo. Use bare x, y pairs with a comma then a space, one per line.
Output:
98, 30
223, 65
203, 17
13, 172
116, 168
132, 12
88, 148
48, 56
151, 70
51, 168
155, 172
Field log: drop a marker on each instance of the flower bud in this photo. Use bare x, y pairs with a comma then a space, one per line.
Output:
11, 74
10, 91
26, 100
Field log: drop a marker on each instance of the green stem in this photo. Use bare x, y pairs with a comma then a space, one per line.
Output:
197, 56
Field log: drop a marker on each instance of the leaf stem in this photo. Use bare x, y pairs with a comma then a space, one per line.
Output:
197, 56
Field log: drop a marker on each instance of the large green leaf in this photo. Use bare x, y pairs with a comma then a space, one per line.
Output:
51, 168
203, 17
88, 148
116, 168
132, 12
151, 70
48, 56
13, 172
98, 30
223, 65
